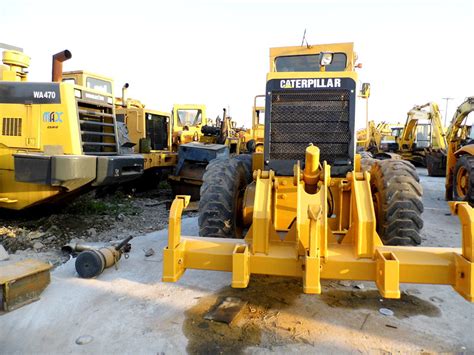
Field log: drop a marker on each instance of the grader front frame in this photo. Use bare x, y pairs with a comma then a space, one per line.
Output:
315, 247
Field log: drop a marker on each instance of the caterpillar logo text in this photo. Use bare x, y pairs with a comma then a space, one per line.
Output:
310, 83
53, 117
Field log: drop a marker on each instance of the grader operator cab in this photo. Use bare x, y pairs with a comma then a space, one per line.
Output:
57, 137
307, 209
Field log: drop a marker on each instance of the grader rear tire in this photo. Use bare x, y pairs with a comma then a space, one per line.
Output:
398, 206
220, 206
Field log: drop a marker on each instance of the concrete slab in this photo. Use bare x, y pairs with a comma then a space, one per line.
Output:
130, 310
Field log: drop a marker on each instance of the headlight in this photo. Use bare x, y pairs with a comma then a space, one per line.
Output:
110, 100
325, 59
78, 93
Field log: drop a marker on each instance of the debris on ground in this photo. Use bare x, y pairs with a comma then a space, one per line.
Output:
40, 234
149, 252
226, 310
84, 339
3, 253
386, 312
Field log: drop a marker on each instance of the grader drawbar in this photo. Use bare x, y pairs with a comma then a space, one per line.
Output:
308, 206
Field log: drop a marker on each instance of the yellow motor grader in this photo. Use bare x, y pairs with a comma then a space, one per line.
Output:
305, 207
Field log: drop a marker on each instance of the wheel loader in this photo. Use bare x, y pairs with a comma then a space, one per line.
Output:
150, 134
57, 137
305, 207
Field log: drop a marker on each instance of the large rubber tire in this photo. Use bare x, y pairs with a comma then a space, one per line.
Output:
397, 194
251, 146
464, 170
220, 206
366, 163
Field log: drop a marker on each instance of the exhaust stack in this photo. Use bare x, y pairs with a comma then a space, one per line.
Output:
58, 60
124, 94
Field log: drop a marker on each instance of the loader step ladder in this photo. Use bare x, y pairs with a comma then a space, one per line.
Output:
98, 128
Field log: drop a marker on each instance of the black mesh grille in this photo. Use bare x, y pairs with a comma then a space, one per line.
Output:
300, 118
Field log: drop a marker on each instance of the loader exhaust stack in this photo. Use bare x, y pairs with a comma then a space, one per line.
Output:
58, 60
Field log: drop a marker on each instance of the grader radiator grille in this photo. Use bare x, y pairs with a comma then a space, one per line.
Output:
98, 129
300, 118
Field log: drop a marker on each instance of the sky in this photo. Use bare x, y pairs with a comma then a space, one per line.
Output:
216, 52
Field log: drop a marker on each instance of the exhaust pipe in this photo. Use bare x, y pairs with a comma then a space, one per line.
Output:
58, 60
124, 94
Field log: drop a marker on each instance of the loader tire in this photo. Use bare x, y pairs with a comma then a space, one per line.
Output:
220, 206
463, 179
397, 194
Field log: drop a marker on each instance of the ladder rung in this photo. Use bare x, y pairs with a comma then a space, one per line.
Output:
95, 114
94, 133
95, 123
95, 103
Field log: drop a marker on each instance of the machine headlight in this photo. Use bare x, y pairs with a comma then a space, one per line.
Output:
110, 100
325, 59
78, 93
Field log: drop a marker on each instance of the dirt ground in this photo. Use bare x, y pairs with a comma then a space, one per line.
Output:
130, 310
41, 233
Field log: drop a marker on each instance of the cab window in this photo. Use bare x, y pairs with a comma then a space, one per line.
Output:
99, 85
308, 63
189, 117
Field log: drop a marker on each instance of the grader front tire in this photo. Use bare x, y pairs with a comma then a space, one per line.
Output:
220, 206
397, 197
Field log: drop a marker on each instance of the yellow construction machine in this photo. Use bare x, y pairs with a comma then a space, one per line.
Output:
197, 143
255, 136
457, 161
371, 139
423, 132
150, 134
188, 120
307, 209
57, 137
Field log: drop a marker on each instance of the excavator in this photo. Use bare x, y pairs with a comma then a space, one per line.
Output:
457, 161
304, 207
423, 132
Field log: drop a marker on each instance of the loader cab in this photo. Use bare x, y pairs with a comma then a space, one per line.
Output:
149, 130
310, 99
92, 82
